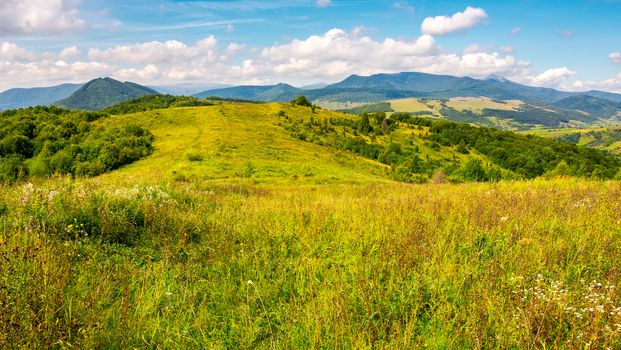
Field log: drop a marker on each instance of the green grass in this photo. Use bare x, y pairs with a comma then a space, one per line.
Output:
233, 234
192, 265
229, 136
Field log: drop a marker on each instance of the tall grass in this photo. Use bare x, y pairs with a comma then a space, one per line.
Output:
188, 265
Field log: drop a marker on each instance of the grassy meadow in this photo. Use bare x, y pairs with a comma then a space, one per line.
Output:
233, 234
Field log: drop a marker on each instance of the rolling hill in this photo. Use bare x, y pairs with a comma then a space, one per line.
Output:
103, 92
39, 96
271, 93
593, 106
278, 142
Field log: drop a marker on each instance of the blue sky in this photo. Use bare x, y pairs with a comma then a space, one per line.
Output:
571, 45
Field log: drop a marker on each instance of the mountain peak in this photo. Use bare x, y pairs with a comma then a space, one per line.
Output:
496, 77
103, 92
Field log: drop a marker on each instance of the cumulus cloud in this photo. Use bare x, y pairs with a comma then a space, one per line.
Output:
156, 52
19, 17
552, 77
460, 21
613, 85
615, 57
10, 51
338, 53
69, 52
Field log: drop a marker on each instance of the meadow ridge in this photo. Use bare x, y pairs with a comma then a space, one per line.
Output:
235, 232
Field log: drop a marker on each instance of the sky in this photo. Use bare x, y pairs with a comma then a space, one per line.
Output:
570, 45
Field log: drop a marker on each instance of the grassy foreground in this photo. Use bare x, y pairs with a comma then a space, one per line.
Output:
189, 265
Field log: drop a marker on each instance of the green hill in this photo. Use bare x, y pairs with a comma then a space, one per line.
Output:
270, 93
103, 92
284, 143
593, 106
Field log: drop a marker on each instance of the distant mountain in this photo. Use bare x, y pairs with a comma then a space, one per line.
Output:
186, 90
381, 87
605, 95
270, 93
20, 98
314, 86
103, 92
594, 106
446, 86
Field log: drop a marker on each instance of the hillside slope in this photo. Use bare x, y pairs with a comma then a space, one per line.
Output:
593, 106
103, 92
278, 142
232, 142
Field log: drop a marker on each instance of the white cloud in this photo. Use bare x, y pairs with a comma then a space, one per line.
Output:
337, 54
474, 48
615, 57
156, 52
507, 49
323, 3
442, 25
69, 52
516, 30
552, 77
39, 17
10, 51
613, 85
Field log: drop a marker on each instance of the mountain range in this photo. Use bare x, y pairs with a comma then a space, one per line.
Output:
103, 92
381, 87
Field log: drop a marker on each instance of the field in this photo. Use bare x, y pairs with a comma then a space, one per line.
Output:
233, 234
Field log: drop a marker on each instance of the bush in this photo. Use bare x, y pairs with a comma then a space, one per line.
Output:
41, 141
301, 101
195, 157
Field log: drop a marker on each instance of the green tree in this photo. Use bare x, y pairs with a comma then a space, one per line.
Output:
301, 101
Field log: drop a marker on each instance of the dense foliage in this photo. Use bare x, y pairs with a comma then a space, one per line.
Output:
150, 102
527, 155
301, 101
405, 142
40, 141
